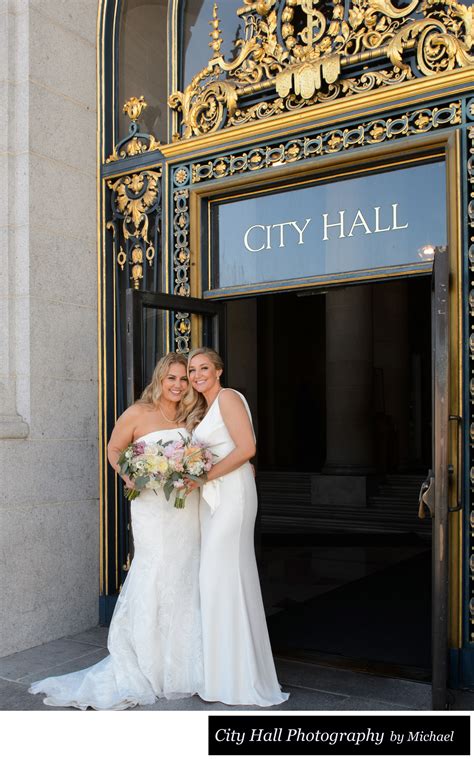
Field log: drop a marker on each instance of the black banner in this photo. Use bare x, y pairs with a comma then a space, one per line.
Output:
339, 735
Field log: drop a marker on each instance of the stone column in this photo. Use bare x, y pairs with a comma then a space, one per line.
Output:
13, 222
48, 311
349, 370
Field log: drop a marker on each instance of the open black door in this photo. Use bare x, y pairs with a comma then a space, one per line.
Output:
158, 323
434, 493
440, 371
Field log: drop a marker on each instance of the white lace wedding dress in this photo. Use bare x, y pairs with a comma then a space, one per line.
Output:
238, 660
155, 633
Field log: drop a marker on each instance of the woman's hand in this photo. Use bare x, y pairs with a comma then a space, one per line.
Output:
191, 485
129, 483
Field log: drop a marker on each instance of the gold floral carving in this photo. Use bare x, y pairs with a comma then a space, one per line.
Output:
300, 52
182, 332
182, 255
134, 107
134, 198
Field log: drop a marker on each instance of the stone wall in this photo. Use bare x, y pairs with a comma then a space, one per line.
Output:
49, 518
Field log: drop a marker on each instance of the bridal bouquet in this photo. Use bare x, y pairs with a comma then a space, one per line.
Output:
188, 458
165, 465
144, 463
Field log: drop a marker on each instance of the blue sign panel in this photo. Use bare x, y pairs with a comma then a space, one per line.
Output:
380, 220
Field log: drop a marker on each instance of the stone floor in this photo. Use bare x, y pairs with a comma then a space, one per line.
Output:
311, 687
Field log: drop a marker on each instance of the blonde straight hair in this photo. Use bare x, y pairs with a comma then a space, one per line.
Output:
153, 391
198, 407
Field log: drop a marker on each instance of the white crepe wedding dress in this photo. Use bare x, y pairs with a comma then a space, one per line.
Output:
155, 633
238, 660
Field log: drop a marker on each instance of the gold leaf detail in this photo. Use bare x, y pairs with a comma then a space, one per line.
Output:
121, 258
181, 176
136, 183
293, 151
134, 107
334, 141
137, 255
220, 167
306, 78
376, 132
312, 51
137, 275
422, 121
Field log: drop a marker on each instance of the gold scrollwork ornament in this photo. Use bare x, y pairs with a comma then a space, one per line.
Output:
300, 56
134, 198
136, 142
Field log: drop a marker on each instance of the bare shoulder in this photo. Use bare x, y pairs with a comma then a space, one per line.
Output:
125, 426
133, 413
230, 399
236, 416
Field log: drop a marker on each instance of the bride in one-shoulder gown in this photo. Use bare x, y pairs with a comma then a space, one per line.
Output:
155, 633
238, 660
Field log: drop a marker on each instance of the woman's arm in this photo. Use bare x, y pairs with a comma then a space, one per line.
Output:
240, 429
122, 435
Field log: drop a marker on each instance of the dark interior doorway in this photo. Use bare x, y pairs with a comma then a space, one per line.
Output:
339, 383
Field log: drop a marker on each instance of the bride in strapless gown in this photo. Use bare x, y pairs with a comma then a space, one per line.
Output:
155, 633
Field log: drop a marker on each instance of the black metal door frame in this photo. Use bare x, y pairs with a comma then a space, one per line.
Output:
440, 504
135, 301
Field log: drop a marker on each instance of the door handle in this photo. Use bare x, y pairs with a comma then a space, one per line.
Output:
458, 420
426, 497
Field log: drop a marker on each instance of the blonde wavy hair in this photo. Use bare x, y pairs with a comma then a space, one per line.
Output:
197, 405
153, 391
